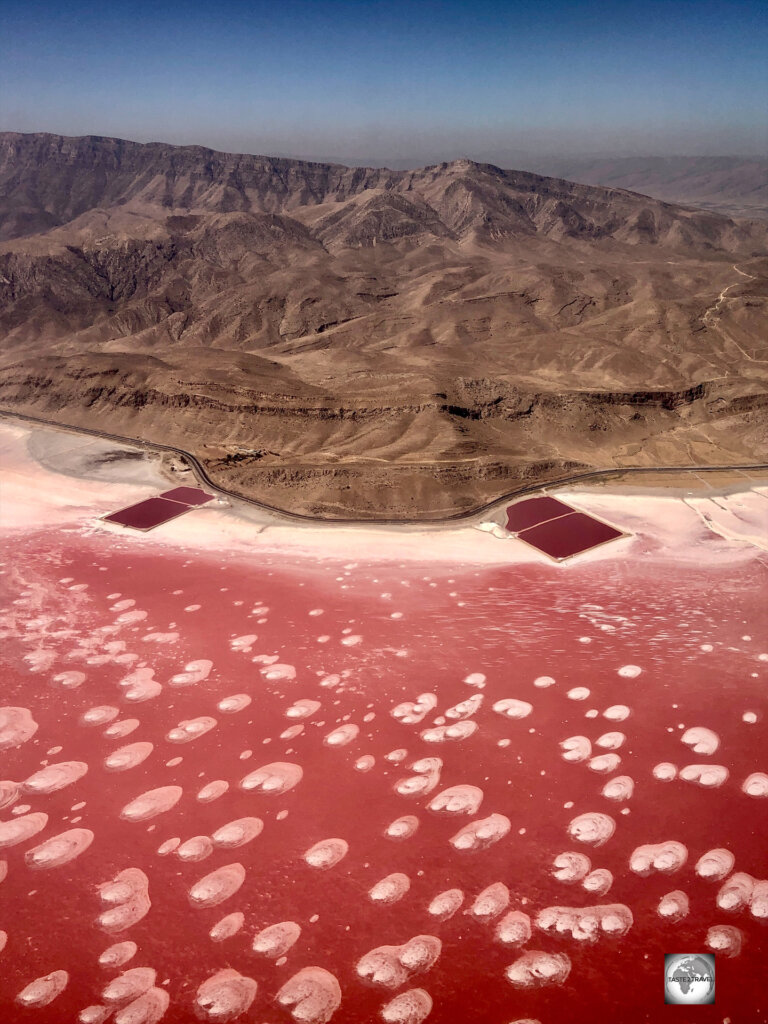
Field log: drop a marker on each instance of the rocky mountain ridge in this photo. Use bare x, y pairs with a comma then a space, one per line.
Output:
385, 336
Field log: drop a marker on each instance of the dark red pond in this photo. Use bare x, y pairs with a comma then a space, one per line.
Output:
149, 513
568, 535
188, 495
531, 511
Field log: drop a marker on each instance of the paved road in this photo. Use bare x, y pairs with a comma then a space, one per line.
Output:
596, 474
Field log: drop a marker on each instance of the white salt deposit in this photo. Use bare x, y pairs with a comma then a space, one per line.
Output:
127, 757
715, 864
578, 693
390, 889
69, 680
598, 881
512, 708
303, 708
118, 730
611, 740
604, 763
284, 673
342, 736
227, 927
664, 857
674, 906
755, 784
129, 985
630, 671
233, 704
445, 904
227, 994
491, 902
238, 832
571, 867
55, 776
458, 731
195, 849
480, 834
465, 708
128, 896
17, 726
724, 939
99, 715
701, 740
402, 828
710, 776
413, 712
148, 1008
139, 686
9, 792
411, 1007
152, 803
393, 966
212, 791
118, 954
457, 800
22, 828
535, 969
43, 991
593, 827
586, 924
277, 939
60, 849
619, 788
313, 995
617, 713
576, 748
218, 886
194, 672
736, 892
275, 778
514, 929
475, 679
191, 729
327, 853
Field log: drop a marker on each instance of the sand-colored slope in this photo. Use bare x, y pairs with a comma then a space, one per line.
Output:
362, 341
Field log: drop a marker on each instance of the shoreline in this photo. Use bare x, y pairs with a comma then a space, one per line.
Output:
51, 483
590, 478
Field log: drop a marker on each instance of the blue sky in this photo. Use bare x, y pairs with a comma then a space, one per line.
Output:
390, 80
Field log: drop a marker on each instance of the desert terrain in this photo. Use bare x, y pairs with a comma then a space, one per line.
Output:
357, 341
735, 186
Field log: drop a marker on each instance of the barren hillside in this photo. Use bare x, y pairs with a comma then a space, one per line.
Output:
348, 340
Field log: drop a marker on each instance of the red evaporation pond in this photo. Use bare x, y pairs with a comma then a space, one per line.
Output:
532, 511
147, 514
188, 495
568, 535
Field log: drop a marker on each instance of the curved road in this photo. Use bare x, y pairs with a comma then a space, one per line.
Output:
519, 492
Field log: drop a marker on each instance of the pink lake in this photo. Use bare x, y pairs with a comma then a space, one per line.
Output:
542, 698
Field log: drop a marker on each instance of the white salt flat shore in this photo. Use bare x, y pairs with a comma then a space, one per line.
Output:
661, 525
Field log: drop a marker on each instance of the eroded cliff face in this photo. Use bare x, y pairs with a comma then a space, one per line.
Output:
362, 341
424, 456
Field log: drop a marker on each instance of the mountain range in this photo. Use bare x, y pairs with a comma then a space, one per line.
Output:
365, 341
735, 186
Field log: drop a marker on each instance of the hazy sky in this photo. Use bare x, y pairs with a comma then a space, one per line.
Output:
392, 81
